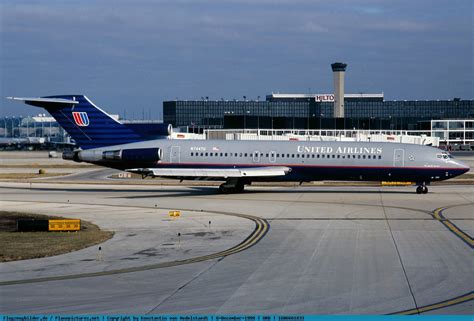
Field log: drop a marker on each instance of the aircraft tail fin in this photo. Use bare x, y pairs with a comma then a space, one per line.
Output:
87, 124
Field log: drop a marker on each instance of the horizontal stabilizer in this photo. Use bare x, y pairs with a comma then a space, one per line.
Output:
268, 171
42, 101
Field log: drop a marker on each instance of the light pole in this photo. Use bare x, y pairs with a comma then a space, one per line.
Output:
245, 118
19, 125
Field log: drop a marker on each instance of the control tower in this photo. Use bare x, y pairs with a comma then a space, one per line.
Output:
338, 69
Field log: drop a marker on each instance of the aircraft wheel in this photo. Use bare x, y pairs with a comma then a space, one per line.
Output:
425, 189
239, 188
222, 189
419, 190
225, 190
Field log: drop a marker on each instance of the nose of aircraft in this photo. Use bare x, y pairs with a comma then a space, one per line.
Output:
462, 166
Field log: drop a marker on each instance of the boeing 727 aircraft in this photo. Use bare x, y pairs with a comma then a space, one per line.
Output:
106, 142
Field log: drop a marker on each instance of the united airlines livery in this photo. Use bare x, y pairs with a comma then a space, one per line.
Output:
104, 141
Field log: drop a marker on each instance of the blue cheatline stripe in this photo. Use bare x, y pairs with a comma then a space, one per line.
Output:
230, 317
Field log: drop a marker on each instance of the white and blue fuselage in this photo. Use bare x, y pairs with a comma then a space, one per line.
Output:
107, 142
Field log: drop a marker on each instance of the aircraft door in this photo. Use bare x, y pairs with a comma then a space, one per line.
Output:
399, 157
256, 156
272, 157
175, 154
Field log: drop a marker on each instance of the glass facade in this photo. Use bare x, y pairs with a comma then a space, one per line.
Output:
454, 131
407, 115
212, 113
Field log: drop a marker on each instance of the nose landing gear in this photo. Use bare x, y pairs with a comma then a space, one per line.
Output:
422, 189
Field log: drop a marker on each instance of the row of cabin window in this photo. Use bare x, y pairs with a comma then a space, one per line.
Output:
288, 155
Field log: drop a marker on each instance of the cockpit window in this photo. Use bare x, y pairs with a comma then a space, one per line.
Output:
444, 156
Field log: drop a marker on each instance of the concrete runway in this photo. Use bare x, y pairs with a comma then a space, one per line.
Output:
278, 250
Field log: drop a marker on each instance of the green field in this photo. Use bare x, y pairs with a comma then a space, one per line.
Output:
28, 245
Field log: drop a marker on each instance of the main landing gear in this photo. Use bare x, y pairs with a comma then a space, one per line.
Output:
422, 189
232, 186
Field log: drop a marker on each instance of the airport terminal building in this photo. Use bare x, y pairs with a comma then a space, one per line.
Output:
300, 111
316, 111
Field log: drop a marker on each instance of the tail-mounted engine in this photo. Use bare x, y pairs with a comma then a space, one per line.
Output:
128, 155
134, 155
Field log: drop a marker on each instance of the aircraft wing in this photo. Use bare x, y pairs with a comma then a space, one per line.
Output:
267, 171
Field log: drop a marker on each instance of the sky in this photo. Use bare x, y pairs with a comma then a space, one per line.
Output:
130, 56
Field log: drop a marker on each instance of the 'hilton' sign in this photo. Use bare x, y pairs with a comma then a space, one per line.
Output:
324, 98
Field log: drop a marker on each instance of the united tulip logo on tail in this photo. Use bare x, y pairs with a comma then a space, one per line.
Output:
80, 118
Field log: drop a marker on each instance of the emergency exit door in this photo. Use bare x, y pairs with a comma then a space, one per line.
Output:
399, 157
175, 154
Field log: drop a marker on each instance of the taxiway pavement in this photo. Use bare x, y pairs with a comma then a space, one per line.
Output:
270, 250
